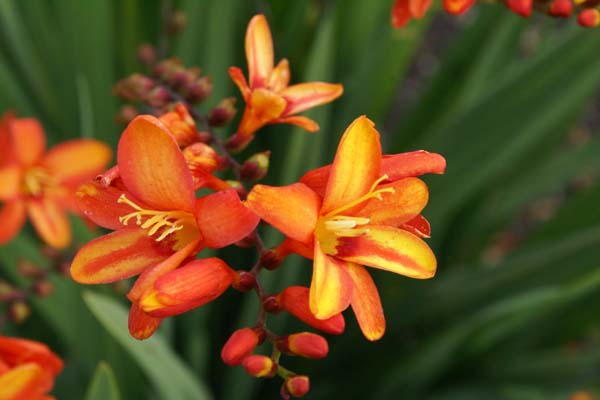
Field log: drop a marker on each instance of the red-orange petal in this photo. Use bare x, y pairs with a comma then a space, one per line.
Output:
457, 7
12, 215
405, 203
303, 96
50, 221
366, 303
294, 299
118, 255
25, 382
418, 8
400, 13
316, 179
27, 140
223, 219
390, 249
76, 161
237, 76
141, 325
418, 226
10, 182
301, 121
153, 167
292, 209
415, 163
331, 286
280, 76
18, 351
259, 51
356, 165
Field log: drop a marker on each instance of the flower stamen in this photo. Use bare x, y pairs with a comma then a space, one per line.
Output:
372, 193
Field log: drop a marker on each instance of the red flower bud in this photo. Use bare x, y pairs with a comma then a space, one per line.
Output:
243, 281
260, 366
297, 385
147, 54
19, 311
294, 300
223, 113
28, 269
256, 167
521, 7
561, 8
589, 18
158, 97
126, 114
43, 288
239, 346
271, 304
199, 90
304, 344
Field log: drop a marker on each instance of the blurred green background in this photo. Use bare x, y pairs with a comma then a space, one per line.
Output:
511, 103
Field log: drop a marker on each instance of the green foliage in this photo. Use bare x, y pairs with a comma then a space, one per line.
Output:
510, 313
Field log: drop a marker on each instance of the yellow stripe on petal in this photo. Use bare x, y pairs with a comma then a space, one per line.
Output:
390, 249
27, 381
303, 96
366, 303
331, 286
259, 51
280, 76
50, 222
292, 209
356, 165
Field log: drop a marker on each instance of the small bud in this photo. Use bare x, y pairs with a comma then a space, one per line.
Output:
239, 346
181, 125
200, 156
297, 385
304, 344
589, 18
223, 113
7, 291
271, 304
177, 22
270, 260
147, 54
43, 288
134, 88
18, 311
126, 114
521, 7
294, 300
51, 253
256, 167
199, 90
158, 97
561, 8
28, 269
244, 281
260, 366
167, 70
239, 188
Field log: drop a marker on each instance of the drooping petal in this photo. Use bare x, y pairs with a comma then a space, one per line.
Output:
27, 140
331, 286
152, 166
458, 7
280, 76
406, 202
356, 165
141, 325
26, 381
193, 285
10, 182
12, 215
301, 121
76, 161
366, 303
294, 299
418, 8
415, 163
390, 249
101, 205
237, 76
418, 226
303, 96
400, 13
292, 209
263, 106
50, 221
259, 51
118, 255
223, 219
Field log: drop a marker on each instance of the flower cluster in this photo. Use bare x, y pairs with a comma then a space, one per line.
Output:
165, 200
588, 14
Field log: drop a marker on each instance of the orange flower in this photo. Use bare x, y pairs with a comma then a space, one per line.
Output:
41, 184
27, 369
159, 224
404, 10
269, 99
364, 209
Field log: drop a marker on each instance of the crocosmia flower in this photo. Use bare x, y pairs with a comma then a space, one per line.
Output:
27, 369
159, 226
42, 184
364, 209
269, 99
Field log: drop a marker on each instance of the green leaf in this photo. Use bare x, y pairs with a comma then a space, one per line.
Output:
168, 374
103, 385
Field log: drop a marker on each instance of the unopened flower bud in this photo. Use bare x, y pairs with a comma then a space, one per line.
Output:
256, 167
260, 366
589, 18
271, 304
304, 344
199, 90
28, 269
239, 346
223, 113
270, 260
126, 114
177, 22
7, 291
18, 311
147, 54
158, 97
561, 8
166, 70
294, 300
243, 281
298, 385
181, 125
239, 188
134, 88
521, 7
43, 288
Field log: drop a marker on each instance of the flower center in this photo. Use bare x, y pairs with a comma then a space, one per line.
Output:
37, 179
153, 220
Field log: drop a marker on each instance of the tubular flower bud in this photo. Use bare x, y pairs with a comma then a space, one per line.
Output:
294, 300
181, 125
304, 344
223, 113
589, 18
158, 97
271, 304
43, 288
239, 346
199, 89
260, 366
297, 386
135, 87
243, 281
521, 7
561, 8
256, 167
